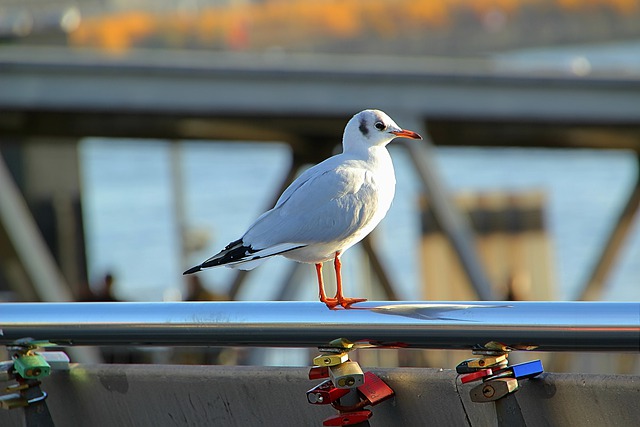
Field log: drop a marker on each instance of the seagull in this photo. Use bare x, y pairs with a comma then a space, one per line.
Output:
327, 209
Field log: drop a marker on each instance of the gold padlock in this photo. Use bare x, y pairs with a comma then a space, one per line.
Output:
487, 361
342, 343
337, 346
492, 390
330, 359
346, 375
13, 401
16, 387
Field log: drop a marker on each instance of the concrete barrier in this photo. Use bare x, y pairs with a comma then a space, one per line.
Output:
157, 395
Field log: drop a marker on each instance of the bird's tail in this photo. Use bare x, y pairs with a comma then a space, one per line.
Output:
193, 270
237, 254
232, 253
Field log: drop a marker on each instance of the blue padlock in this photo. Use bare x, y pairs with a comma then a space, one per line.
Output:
527, 369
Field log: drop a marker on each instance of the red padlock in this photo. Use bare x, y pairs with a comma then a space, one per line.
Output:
348, 418
318, 372
325, 393
374, 390
482, 373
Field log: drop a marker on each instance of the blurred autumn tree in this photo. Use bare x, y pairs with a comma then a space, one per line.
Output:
383, 26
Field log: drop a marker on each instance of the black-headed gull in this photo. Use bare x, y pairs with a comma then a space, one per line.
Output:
328, 208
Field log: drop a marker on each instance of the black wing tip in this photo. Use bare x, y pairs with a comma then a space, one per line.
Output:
232, 253
192, 270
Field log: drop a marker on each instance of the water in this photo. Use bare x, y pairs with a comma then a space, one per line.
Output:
130, 211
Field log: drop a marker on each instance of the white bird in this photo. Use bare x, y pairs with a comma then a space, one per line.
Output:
328, 208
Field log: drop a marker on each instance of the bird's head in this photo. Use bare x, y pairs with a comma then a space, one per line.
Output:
371, 128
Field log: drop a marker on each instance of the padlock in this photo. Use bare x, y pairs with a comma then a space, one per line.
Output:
527, 369
346, 375
348, 418
57, 360
13, 401
475, 364
31, 366
22, 385
522, 370
494, 389
16, 400
325, 393
374, 390
474, 376
6, 371
336, 346
496, 346
318, 372
330, 359
487, 362
463, 367
492, 348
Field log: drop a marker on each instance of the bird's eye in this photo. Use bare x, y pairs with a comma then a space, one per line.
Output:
380, 126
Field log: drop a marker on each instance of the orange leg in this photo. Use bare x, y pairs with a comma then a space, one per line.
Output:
330, 302
341, 299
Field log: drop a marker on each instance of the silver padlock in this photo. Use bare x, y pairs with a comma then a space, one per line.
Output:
58, 360
346, 375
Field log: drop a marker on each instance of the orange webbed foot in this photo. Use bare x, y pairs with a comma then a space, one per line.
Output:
331, 303
347, 302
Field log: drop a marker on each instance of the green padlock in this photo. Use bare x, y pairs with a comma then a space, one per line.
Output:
31, 366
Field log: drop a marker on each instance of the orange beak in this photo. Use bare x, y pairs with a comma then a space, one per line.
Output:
407, 134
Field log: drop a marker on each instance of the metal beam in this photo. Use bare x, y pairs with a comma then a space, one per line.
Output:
594, 287
25, 237
453, 223
194, 84
544, 326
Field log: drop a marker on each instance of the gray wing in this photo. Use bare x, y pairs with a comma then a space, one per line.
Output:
326, 203
322, 205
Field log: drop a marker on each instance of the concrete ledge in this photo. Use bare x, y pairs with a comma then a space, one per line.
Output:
156, 395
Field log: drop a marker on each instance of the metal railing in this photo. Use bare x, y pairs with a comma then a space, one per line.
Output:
544, 326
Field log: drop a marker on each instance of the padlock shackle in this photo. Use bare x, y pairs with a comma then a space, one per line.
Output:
350, 408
